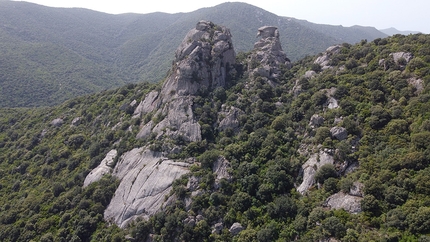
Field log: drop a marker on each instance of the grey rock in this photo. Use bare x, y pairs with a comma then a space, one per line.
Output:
268, 31
332, 103
356, 189
229, 118
267, 58
310, 167
193, 183
310, 74
199, 218
148, 104
316, 121
339, 133
146, 179
324, 60
407, 56
202, 61
418, 84
351, 204
217, 228
105, 167
236, 228
190, 221
76, 121
57, 122
220, 168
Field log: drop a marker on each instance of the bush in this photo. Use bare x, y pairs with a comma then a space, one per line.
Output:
324, 172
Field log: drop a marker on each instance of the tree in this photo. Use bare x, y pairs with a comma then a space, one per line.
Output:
324, 172
334, 227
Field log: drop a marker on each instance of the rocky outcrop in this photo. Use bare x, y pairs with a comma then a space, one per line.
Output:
57, 122
267, 58
146, 179
228, 118
339, 133
236, 228
351, 204
310, 168
418, 84
105, 167
316, 121
203, 61
324, 59
401, 59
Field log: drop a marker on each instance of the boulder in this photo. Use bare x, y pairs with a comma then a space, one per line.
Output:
76, 121
236, 228
217, 228
57, 122
310, 168
332, 103
339, 133
418, 84
340, 200
316, 121
105, 167
325, 58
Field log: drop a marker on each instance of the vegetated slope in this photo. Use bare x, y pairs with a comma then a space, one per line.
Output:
52, 54
383, 105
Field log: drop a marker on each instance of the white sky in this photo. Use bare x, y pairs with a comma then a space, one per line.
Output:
403, 15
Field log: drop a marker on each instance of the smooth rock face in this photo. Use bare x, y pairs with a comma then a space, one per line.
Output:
309, 171
268, 56
146, 178
340, 200
104, 168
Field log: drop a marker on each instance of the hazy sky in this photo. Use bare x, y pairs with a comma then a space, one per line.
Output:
403, 15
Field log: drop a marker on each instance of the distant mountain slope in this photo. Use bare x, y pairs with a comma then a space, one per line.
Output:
393, 31
49, 55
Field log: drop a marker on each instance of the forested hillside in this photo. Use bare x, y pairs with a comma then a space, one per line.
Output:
376, 92
50, 55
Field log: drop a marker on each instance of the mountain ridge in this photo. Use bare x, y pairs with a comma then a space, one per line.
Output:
79, 51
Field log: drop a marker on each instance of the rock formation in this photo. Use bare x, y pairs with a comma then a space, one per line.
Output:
310, 168
105, 167
324, 60
268, 58
203, 61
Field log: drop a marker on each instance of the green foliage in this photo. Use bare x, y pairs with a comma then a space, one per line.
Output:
42, 167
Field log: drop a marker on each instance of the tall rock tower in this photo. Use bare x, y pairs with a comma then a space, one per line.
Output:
268, 58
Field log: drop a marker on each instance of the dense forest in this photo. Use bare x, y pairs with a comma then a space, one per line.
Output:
383, 104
